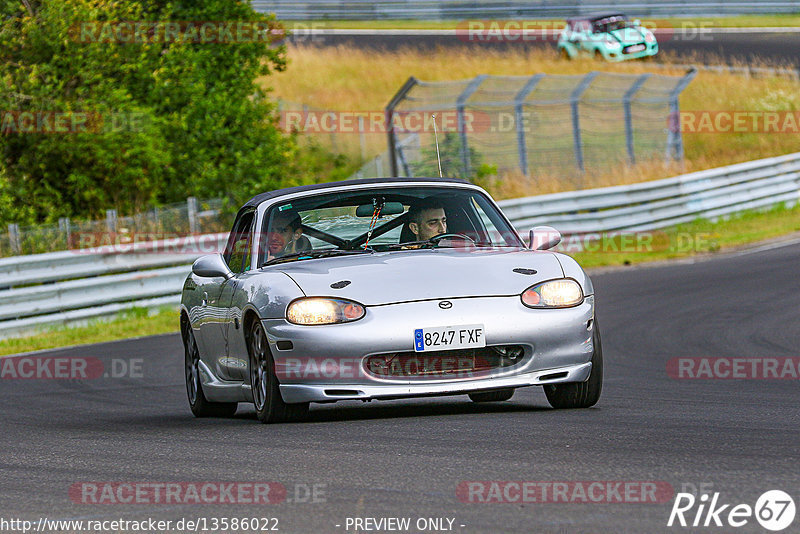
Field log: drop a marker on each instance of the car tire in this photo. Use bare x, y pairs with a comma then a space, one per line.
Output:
270, 407
598, 55
498, 395
565, 54
580, 394
198, 403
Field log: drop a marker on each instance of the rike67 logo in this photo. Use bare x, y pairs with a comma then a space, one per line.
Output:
774, 510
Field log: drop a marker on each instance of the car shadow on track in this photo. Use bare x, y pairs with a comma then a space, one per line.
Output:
368, 411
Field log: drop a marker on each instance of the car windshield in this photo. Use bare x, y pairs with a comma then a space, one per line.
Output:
610, 24
380, 219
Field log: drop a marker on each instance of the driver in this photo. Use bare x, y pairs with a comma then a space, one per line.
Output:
427, 219
285, 235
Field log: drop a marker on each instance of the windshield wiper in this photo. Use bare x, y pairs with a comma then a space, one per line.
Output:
395, 246
312, 254
494, 245
437, 244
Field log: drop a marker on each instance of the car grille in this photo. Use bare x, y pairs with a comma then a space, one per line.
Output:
460, 363
634, 48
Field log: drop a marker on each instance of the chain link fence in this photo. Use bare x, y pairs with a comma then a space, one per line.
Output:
192, 217
534, 124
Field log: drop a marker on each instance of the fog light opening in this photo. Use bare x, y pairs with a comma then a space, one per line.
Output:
554, 376
342, 392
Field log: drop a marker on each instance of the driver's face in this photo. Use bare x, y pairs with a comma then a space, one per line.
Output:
433, 222
280, 234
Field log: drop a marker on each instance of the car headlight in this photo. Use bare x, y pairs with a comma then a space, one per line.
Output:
320, 310
650, 38
612, 44
553, 294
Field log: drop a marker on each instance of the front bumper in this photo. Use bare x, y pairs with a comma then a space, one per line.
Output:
328, 393
651, 49
325, 363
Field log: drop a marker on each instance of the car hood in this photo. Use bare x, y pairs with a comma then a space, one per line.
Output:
628, 36
403, 276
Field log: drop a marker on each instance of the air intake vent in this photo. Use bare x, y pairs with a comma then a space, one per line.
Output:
342, 392
553, 376
520, 270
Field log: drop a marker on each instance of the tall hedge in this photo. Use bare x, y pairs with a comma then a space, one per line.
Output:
148, 121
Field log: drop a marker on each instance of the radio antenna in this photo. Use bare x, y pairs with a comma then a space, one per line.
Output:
436, 137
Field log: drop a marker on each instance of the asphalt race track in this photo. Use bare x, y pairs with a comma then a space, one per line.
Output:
701, 46
407, 458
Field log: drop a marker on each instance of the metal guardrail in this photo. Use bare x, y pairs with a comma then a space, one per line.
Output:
76, 285
658, 204
103, 282
454, 9
117, 258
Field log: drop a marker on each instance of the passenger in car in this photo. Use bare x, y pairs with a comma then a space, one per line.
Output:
285, 235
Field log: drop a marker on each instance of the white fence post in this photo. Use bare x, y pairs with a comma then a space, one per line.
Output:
191, 208
111, 221
65, 228
13, 238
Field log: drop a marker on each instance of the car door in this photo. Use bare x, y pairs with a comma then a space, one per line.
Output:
590, 38
234, 299
217, 299
582, 36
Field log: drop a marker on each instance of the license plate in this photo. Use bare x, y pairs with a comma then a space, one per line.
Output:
636, 48
449, 337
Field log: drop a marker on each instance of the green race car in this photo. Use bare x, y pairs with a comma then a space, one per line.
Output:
611, 37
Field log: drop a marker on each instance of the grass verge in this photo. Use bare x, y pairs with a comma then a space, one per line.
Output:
130, 323
700, 237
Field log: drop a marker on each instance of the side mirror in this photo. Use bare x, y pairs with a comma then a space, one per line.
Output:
211, 266
544, 238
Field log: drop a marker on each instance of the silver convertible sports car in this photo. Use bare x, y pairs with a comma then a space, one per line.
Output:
384, 289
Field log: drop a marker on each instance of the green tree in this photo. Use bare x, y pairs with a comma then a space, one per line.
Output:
167, 118
450, 153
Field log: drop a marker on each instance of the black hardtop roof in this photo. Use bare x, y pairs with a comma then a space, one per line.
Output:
595, 17
258, 199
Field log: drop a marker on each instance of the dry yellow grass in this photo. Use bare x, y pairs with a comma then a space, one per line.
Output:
515, 185
350, 79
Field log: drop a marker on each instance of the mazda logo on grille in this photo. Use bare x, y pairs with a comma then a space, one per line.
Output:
445, 304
